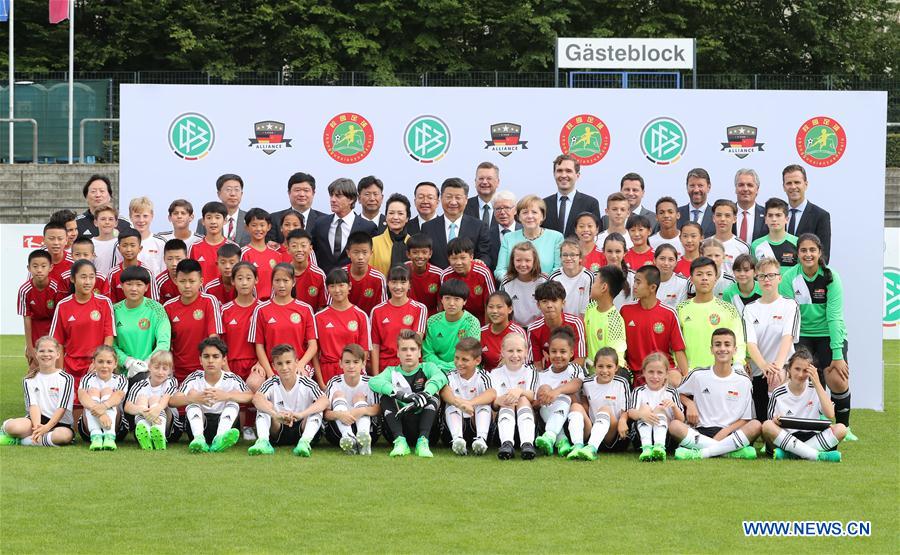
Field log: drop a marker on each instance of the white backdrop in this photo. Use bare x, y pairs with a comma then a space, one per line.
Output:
149, 166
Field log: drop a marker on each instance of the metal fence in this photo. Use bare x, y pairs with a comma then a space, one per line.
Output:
106, 149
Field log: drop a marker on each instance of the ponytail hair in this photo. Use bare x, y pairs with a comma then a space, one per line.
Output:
812, 237
615, 236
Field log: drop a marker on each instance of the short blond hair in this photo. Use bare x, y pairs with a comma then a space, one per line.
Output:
140, 204
532, 200
163, 358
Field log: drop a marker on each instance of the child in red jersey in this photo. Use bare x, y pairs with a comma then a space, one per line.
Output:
640, 253
83, 321
173, 252
284, 319
82, 249
424, 277
587, 226
194, 316
367, 285
222, 287
37, 301
289, 222
55, 244
340, 324
129, 247
388, 318
499, 324
309, 279
691, 236
477, 276
551, 298
204, 250
258, 253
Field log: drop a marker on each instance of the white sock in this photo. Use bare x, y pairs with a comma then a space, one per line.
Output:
93, 423
363, 423
733, 442
482, 421
454, 419
555, 415
227, 418
661, 430
525, 423
313, 423
646, 432
3, 427
576, 428
263, 425
824, 441
599, 430
161, 423
27, 442
340, 405
141, 422
195, 419
791, 444
696, 440
111, 414
506, 424
47, 440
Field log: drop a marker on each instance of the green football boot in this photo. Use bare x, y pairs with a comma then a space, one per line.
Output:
782, 455
646, 453
850, 436
747, 452
829, 456
587, 453
545, 442
686, 454
225, 441
109, 442
303, 449
422, 448
564, 446
96, 442
6, 439
261, 447
142, 434
158, 439
658, 452
401, 448
198, 445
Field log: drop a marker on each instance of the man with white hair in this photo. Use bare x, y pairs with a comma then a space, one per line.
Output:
504, 205
751, 217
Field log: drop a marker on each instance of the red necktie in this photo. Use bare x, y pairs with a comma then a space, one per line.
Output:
230, 229
743, 232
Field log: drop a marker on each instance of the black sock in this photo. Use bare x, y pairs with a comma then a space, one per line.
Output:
841, 407
389, 410
426, 418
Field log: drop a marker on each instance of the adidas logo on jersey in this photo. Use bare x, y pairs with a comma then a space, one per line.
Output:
271, 320
756, 321
329, 325
631, 323
71, 319
687, 318
201, 259
789, 412
386, 321
31, 302
176, 319
705, 390
233, 322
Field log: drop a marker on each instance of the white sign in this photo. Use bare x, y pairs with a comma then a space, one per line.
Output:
176, 140
587, 53
16, 241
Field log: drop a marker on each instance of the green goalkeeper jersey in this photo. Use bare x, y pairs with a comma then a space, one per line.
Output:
425, 378
699, 321
441, 337
604, 329
141, 331
821, 303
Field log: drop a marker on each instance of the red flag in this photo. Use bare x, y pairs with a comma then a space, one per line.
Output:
59, 10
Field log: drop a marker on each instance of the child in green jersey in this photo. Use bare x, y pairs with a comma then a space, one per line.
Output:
142, 326
445, 328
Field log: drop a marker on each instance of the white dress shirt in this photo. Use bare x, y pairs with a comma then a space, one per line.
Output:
800, 208
571, 196
231, 218
345, 229
481, 205
702, 210
447, 224
751, 221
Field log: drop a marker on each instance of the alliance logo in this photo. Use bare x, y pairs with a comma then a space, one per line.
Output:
505, 139
427, 139
821, 141
348, 138
586, 138
663, 141
269, 137
191, 136
741, 141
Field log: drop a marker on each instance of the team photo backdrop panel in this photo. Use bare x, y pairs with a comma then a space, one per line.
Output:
175, 141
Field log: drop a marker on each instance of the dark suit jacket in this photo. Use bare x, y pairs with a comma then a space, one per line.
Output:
381, 225
275, 232
684, 216
469, 227
581, 203
604, 222
759, 224
495, 240
472, 209
816, 220
241, 235
325, 250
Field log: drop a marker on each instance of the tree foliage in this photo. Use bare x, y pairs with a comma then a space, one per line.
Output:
321, 38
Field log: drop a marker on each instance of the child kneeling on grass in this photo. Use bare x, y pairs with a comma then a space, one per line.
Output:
211, 398
288, 405
48, 402
654, 408
803, 398
408, 396
156, 424
101, 392
352, 405
468, 396
515, 383
556, 398
606, 400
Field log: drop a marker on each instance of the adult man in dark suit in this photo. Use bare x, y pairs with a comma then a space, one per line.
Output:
454, 223
567, 202
426, 197
230, 190
804, 216
698, 209
632, 186
504, 206
301, 192
371, 196
97, 192
751, 216
330, 232
487, 180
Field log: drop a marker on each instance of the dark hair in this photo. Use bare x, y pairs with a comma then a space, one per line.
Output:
174, 245
228, 177
665, 247
470, 346
803, 353
702, 261
776, 203
359, 238
812, 237
285, 267
488, 166
636, 220
631, 176
419, 241
503, 296
354, 350
299, 234
401, 198
337, 276
367, 182
215, 207
78, 265
699, 173
663, 200
125, 234
291, 213
590, 215
41, 253
243, 264
257, 214
565, 333
344, 187
410, 335
188, 266
52, 224
456, 183
744, 259
725, 202
215, 343
724, 331
550, 291
426, 184
460, 245
181, 203
82, 240
282, 349
65, 216
614, 279
135, 273
454, 288
793, 168
398, 273
562, 158
616, 236
228, 249
608, 352
650, 273
301, 177
97, 177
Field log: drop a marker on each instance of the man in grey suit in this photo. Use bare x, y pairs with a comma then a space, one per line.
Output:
751, 216
301, 192
481, 205
230, 189
632, 186
698, 209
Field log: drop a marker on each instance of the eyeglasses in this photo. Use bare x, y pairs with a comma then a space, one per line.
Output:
767, 277
569, 255
503, 208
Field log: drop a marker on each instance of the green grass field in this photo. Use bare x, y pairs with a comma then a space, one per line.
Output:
72, 500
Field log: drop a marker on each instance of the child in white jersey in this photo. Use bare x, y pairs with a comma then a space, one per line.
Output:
352, 405
523, 275
556, 397
654, 407
574, 277
148, 400
606, 400
515, 383
467, 396
101, 392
